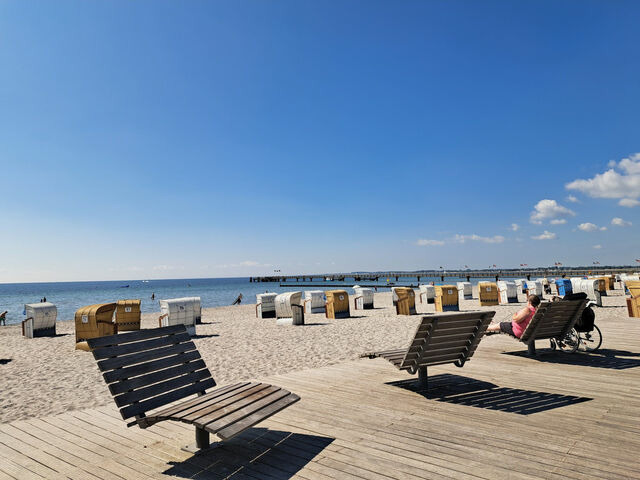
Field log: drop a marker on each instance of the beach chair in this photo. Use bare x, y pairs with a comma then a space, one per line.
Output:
149, 370
406, 303
439, 339
266, 305
363, 299
94, 321
127, 315
633, 302
337, 305
40, 321
488, 294
552, 320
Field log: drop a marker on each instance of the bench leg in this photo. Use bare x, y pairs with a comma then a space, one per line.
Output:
422, 378
202, 438
202, 442
531, 348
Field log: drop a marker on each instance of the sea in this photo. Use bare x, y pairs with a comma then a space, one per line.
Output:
213, 292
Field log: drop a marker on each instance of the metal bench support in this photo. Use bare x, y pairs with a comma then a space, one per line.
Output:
531, 348
202, 442
422, 378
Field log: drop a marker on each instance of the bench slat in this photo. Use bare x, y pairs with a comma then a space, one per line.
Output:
251, 420
159, 388
135, 347
435, 343
446, 358
242, 409
161, 400
151, 378
128, 360
197, 402
145, 334
237, 396
149, 367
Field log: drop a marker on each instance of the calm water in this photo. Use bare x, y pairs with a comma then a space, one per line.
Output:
214, 292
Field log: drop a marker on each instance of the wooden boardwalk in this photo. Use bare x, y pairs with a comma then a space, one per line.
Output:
503, 415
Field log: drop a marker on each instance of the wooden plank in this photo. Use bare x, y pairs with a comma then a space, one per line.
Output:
252, 419
151, 378
141, 369
146, 356
136, 347
228, 405
144, 334
159, 388
198, 403
164, 399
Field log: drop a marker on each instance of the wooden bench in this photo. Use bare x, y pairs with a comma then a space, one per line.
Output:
148, 370
439, 339
552, 320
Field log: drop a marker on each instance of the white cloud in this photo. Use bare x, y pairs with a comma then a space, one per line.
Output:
629, 202
477, 238
249, 263
423, 242
514, 227
622, 180
618, 222
597, 247
558, 221
572, 199
547, 210
588, 227
602, 229
545, 236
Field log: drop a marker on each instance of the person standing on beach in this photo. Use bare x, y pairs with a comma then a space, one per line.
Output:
238, 300
153, 296
3, 318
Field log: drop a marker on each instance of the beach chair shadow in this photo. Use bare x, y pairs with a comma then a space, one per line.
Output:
314, 324
256, 453
467, 391
603, 358
205, 336
4, 361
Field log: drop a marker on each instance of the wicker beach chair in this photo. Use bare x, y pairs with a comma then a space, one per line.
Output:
439, 339
149, 370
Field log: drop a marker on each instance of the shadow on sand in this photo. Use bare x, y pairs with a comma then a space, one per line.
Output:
256, 453
467, 391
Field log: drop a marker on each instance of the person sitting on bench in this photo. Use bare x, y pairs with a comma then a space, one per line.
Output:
520, 319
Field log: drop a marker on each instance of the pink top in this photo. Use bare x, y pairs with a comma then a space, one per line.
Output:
519, 328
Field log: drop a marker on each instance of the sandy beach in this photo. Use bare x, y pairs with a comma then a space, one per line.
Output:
45, 376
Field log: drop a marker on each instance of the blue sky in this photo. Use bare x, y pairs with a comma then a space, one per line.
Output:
156, 139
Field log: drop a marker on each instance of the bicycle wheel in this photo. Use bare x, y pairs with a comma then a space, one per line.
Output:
591, 341
570, 342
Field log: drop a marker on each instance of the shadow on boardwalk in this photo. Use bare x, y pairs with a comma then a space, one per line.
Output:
603, 358
257, 453
476, 393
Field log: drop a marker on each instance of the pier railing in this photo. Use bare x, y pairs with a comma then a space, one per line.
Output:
442, 274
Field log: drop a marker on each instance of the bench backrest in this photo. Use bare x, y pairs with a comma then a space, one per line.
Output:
553, 319
446, 338
148, 369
